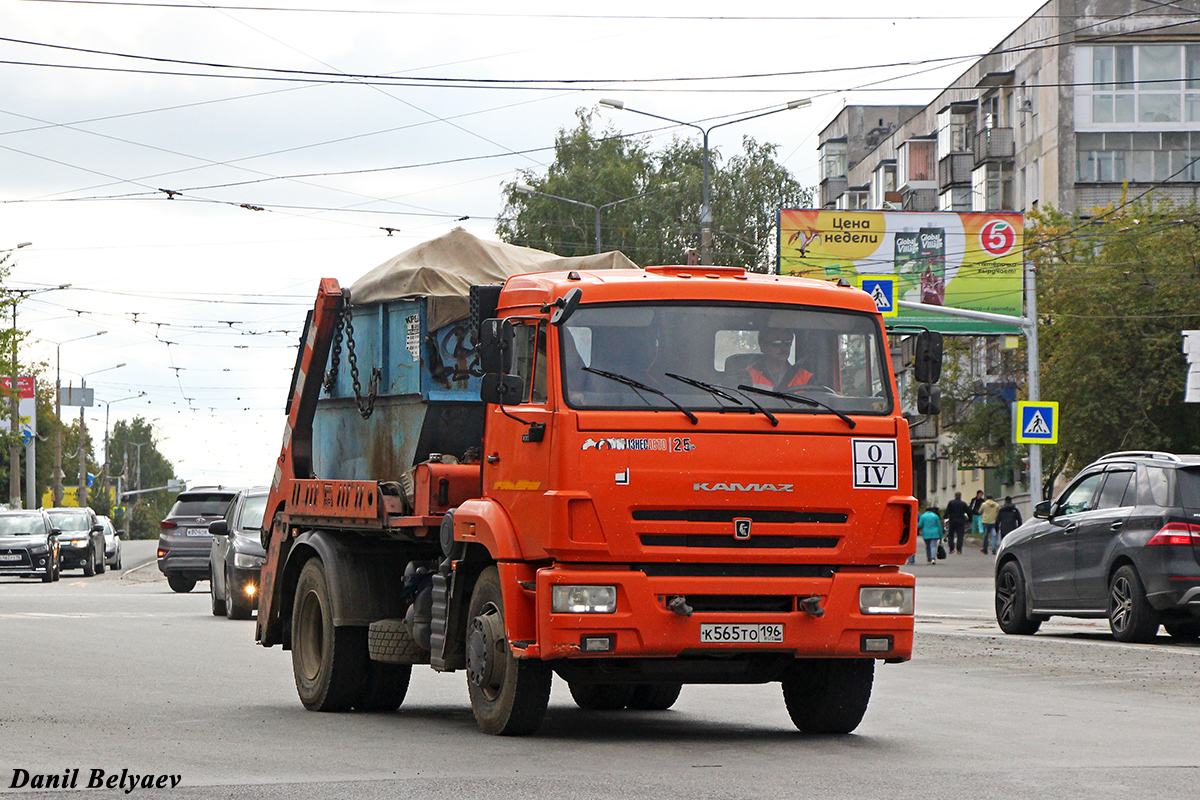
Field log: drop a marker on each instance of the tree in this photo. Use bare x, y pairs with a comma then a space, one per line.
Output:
1114, 292
141, 467
653, 199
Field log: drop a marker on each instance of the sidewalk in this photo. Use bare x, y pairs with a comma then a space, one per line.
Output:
971, 564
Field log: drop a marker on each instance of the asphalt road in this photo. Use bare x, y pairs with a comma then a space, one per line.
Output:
117, 672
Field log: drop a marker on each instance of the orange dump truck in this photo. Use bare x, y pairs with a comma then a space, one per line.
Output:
636, 479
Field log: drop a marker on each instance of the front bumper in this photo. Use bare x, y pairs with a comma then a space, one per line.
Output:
29, 564
240, 580
70, 557
644, 626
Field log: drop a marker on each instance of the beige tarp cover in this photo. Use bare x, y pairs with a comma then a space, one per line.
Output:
445, 268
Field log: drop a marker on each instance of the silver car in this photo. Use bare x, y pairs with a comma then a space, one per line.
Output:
112, 543
237, 555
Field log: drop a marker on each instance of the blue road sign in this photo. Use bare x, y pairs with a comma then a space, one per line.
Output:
883, 292
1037, 423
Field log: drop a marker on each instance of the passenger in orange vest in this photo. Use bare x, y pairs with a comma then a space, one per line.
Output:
772, 370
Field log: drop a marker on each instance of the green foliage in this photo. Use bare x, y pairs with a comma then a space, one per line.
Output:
150, 469
1113, 295
611, 171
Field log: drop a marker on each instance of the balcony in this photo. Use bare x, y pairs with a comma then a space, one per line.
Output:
919, 199
994, 144
831, 189
955, 170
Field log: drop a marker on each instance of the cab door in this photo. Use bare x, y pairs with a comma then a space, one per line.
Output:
1052, 549
517, 439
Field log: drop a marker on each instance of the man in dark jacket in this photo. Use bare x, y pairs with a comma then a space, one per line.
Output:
1008, 518
958, 516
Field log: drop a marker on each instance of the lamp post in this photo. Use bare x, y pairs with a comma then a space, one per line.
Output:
525, 188
81, 494
706, 206
57, 490
107, 466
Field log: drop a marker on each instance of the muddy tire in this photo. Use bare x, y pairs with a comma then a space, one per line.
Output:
828, 695
508, 695
385, 687
654, 696
601, 696
329, 663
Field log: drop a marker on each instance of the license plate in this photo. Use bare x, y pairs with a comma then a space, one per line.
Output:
9, 557
741, 634
195, 532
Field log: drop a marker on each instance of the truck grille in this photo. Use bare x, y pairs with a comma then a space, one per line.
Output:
676, 570
738, 603
729, 515
726, 540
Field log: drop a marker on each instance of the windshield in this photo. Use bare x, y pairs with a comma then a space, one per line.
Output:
201, 505
685, 350
70, 522
22, 525
252, 511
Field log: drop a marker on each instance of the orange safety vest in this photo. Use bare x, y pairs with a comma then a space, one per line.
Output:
759, 379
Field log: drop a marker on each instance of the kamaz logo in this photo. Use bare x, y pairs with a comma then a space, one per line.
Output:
742, 487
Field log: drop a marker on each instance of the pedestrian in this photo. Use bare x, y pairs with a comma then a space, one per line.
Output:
976, 522
987, 516
930, 526
958, 516
1008, 518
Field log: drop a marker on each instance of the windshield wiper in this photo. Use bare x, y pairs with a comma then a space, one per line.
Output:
638, 385
796, 399
719, 391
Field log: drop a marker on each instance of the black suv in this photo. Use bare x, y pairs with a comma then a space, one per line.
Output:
80, 539
183, 537
1122, 542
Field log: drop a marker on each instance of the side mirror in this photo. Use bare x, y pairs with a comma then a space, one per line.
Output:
495, 345
1042, 510
218, 527
565, 306
927, 367
929, 399
97, 528
502, 389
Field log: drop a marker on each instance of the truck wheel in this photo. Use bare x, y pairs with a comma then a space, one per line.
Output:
218, 606
828, 695
237, 605
508, 695
178, 583
385, 688
654, 696
1010, 602
329, 663
601, 696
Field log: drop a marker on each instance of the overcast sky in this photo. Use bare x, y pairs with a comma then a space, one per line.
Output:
294, 134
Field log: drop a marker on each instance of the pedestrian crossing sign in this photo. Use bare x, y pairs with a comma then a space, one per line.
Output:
1037, 423
883, 292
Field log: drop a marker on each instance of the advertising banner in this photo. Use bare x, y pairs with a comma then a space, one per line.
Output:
26, 406
970, 260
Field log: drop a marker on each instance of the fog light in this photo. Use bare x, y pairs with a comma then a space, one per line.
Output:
250, 589
885, 600
583, 599
876, 644
596, 644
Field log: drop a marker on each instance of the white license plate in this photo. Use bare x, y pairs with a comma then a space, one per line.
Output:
10, 557
195, 532
741, 634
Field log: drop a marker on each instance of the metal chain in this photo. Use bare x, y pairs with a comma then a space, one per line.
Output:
331, 375
365, 407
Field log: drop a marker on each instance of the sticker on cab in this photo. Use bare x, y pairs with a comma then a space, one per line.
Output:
875, 463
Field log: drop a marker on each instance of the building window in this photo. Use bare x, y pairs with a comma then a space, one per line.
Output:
833, 160
1138, 86
992, 187
918, 161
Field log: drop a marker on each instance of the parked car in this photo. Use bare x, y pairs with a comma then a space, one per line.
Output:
80, 539
183, 538
28, 545
112, 543
237, 555
1122, 542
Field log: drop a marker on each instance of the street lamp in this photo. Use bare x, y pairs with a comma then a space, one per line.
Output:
81, 491
525, 188
706, 207
107, 466
57, 490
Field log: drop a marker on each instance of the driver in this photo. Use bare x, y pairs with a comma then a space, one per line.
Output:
772, 370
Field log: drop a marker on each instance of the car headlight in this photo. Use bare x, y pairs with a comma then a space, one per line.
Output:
885, 600
583, 599
38, 550
247, 561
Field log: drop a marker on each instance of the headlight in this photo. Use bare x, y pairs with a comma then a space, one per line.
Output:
247, 561
885, 600
38, 550
583, 599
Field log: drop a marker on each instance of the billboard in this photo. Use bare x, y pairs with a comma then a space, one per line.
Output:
970, 260
26, 406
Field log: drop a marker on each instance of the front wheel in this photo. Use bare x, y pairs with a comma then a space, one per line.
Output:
1011, 615
101, 564
89, 568
329, 663
218, 605
1130, 615
508, 695
828, 695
